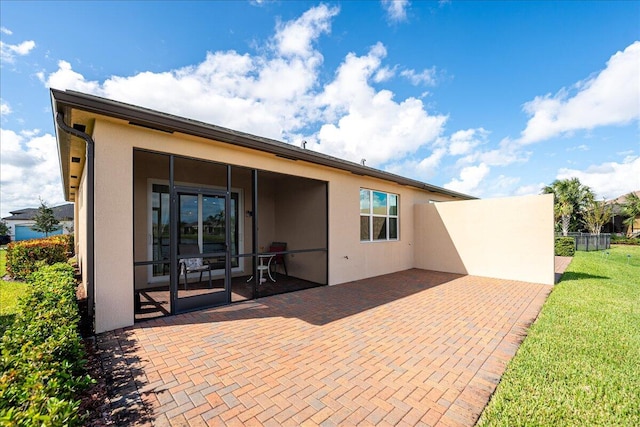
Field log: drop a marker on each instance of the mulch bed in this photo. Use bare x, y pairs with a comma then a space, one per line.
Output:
95, 400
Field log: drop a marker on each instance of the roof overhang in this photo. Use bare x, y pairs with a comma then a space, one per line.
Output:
72, 151
74, 106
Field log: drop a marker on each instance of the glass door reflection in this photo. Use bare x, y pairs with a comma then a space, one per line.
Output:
202, 249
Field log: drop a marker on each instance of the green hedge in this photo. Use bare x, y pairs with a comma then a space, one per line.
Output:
623, 240
565, 246
41, 354
24, 257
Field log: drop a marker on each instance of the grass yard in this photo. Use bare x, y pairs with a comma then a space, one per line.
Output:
3, 262
580, 363
9, 293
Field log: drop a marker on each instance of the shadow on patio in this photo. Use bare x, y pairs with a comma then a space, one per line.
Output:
321, 305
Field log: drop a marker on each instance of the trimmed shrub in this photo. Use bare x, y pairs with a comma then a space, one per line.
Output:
41, 354
624, 240
24, 257
565, 246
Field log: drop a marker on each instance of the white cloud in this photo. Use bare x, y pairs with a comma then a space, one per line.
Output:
463, 141
610, 98
271, 94
396, 9
295, 37
501, 186
529, 190
66, 78
581, 147
508, 152
423, 169
470, 179
426, 77
384, 74
625, 153
8, 52
276, 94
6, 31
609, 179
5, 108
28, 170
364, 123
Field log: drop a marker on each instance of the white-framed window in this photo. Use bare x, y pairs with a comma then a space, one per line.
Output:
379, 219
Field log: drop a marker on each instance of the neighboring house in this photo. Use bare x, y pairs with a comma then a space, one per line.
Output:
616, 224
174, 215
21, 221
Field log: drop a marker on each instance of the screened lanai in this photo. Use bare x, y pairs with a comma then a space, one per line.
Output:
208, 234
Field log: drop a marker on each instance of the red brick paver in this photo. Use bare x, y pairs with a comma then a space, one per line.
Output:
410, 348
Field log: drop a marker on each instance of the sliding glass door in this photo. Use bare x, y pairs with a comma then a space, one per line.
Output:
200, 226
202, 248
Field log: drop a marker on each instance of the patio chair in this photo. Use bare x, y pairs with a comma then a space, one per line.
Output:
192, 265
278, 259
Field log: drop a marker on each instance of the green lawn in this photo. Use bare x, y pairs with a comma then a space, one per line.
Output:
3, 262
9, 293
580, 363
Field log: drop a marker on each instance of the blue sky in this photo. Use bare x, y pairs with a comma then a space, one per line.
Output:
487, 98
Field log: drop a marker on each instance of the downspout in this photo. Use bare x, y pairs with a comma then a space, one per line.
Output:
90, 212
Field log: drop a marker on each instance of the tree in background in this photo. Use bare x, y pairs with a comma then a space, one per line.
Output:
596, 215
46, 221
4, 228
563, 212
631, 209
571, 199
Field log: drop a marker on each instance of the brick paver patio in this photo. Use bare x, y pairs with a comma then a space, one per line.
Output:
410, 348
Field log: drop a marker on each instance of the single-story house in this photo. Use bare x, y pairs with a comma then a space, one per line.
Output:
616, 223
21, 221
174, 215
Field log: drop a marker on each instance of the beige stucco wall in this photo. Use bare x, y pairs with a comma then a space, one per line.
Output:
300, 212
506, 238
113, 196
348, 259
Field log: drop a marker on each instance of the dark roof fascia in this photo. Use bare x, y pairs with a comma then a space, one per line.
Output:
19, 211
170, 123
63, 141
61, 213
64, 212
21, 214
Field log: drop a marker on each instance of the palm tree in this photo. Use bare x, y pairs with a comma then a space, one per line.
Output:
563, 211
570, 201
631, 209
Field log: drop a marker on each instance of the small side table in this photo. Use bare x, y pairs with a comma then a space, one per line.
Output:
262, 268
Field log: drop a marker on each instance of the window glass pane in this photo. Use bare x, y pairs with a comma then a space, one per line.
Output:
393, 204
379, 228
365, 202
393, 228
188, 219
364, 228
213, 224
379, 203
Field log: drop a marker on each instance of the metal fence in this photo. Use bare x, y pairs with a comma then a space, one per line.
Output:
590, 242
